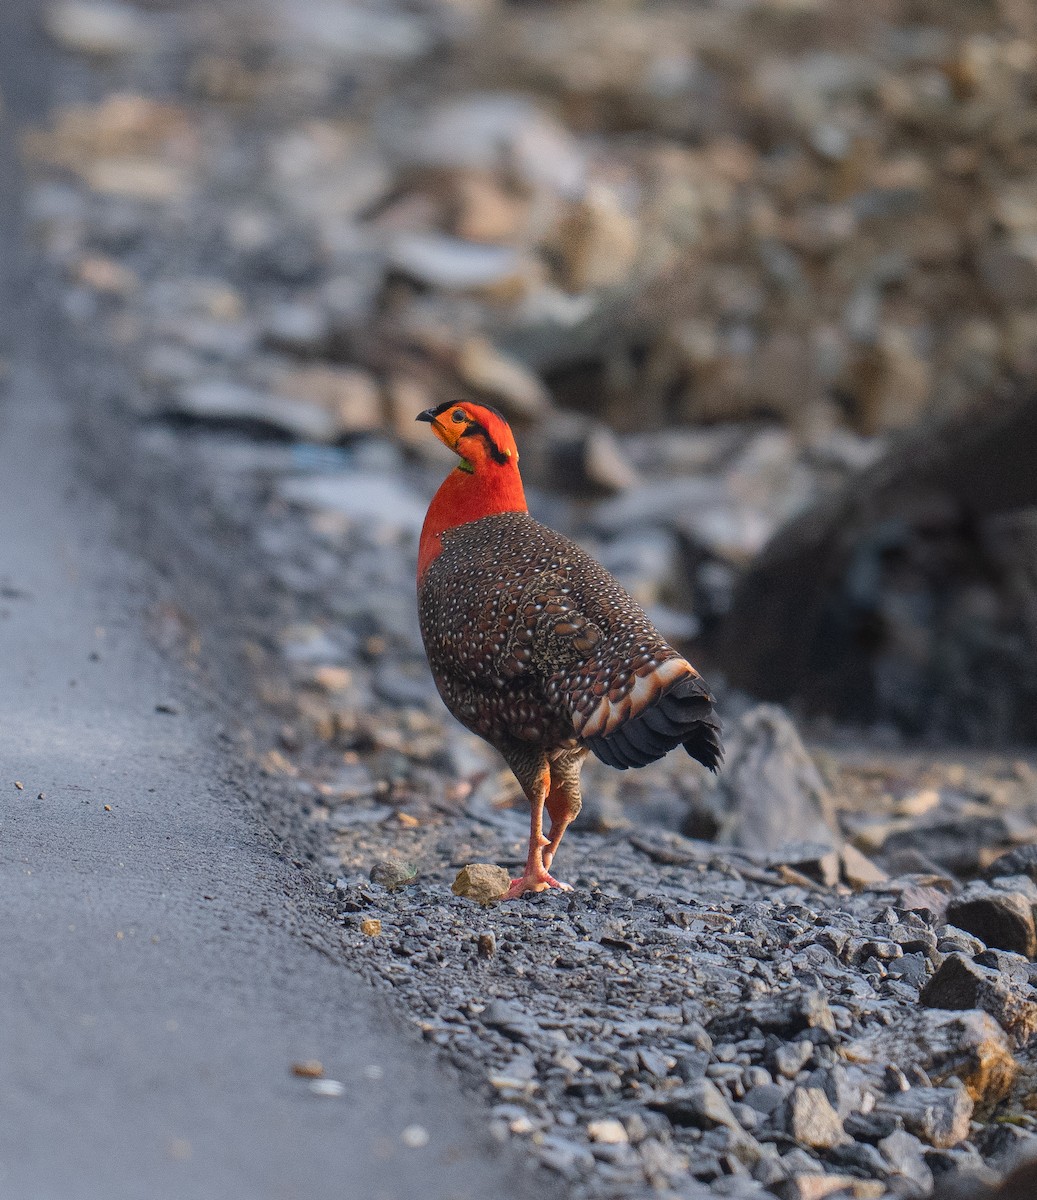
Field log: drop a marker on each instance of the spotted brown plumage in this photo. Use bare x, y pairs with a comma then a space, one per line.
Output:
535, 646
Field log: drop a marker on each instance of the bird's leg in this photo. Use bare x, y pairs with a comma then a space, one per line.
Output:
535, 877
563, 801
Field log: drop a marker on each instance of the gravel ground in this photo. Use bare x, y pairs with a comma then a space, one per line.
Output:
274, 277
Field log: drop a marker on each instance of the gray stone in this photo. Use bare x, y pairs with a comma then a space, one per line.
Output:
906, 1157
790, 1058
939, 1116
962, 983
223, 402
969, 1046
999, 918
787, 1014
770, 790
363, 497
485, 130
765, 1098
296, 328
700, 1104
1022, 860
445, 262
104, 28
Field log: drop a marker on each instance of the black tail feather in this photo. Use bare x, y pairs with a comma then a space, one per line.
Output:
683, 716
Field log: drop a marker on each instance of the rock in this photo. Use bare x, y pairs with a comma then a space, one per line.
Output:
107, 276
770, 790
486, 211
325, 30
392, 873
827, 578
349, 395
100, 27
815, 860
786, 1015
961, 983
858, 871
819, 1186
939, 1116
765, 1098
454, 265
586, 458
700, 1104
998, 918
604, 464
146, 179
906, 1157
484, 131
597, 243
487, 944
503, 380
222, 402
790, 1058
608, 1132
372, 927
1022, 860
296, 328
370, 500
481, 882
969, 1045
812, 1120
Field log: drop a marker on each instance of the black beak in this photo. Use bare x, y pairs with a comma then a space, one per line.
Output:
429, 415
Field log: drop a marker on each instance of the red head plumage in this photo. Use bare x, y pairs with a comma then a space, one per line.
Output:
485, 481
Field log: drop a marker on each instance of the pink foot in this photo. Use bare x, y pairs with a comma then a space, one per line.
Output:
537, 881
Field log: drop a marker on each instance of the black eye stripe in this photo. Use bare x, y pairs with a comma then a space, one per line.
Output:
496, 453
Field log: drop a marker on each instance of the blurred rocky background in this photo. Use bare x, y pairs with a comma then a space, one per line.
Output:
756, 283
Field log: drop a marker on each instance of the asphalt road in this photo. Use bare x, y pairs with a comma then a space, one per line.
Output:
159, 969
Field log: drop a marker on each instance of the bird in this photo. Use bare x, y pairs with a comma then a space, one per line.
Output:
535, 647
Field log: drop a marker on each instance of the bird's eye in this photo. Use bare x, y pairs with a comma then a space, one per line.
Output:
459, 415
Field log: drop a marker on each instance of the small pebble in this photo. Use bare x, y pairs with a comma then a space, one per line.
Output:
310, 1069
327, 1087
372, 927
414, 1137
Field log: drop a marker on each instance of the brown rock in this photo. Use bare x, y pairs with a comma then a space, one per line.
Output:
812, 1120
598, 243
103, 274
481, 882
858, 871
970, 1045
485, 211
814, 1186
